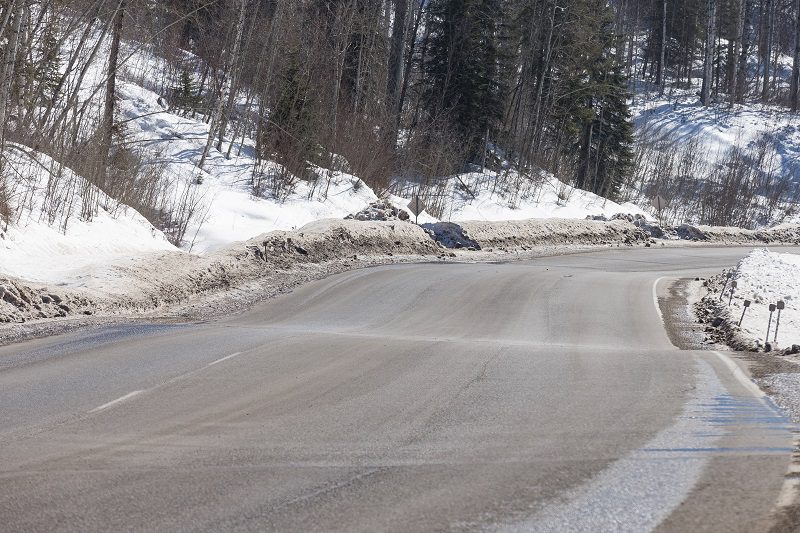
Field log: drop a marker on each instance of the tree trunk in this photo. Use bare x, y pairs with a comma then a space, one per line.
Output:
395, 70
708, 62
586, 157
744, 52
768, 28
221, 101
793, 91
107, 125
663, 52
733, 51
234, 88
9, 68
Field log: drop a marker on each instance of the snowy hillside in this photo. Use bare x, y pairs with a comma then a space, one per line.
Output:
61, 228
750, 152
230, 212
52, 239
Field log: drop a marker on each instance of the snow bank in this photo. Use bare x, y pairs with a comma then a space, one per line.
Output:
50, 241
491, 197
764, 278
522, 235
266, 265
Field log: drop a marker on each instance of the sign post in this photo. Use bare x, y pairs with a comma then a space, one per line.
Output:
772, 308
416, 206
746, 305
733, 288
780, 306
725, 285
659, 203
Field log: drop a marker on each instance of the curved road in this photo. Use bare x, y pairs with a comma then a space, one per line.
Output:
531, 396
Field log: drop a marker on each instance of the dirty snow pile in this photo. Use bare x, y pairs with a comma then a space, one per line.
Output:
764, 278
49, 241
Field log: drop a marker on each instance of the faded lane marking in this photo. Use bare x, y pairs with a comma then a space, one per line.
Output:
118, 400
231, 356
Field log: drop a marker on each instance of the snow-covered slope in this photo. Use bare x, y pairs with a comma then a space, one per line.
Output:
230, 212
50, 241
492, 197
680, 120
227, 209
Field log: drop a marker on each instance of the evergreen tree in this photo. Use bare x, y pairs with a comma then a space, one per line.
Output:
186, 95
289, 135
604, 151
464, 70
607, 156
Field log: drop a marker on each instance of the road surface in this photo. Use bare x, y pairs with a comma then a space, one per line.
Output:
532, 396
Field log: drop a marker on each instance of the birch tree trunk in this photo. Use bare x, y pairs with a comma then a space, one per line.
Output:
224, 88
9, 67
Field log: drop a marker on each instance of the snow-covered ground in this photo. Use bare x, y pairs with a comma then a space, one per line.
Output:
232, 213
487, 197
764, 278
681, 119
50, 242
681, 143
71, 250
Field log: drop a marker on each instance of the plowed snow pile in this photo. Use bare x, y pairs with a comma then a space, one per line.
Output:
764, 278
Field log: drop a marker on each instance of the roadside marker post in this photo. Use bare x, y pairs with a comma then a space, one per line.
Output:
746, 305
725, 286
659, 203
772, 308
733, 288
416, 206
780, 306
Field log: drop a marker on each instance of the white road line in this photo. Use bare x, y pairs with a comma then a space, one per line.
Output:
655, 297
118, 400
790, 490
739, 374
212, 363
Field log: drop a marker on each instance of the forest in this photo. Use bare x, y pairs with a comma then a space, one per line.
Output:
404, 94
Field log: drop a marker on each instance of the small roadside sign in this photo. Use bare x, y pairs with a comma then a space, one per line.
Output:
659, 203
416, 206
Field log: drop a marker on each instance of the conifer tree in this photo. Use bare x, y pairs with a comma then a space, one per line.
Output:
186, 95
464, 69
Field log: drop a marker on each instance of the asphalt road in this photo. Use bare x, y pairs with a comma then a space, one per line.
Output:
541, 395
